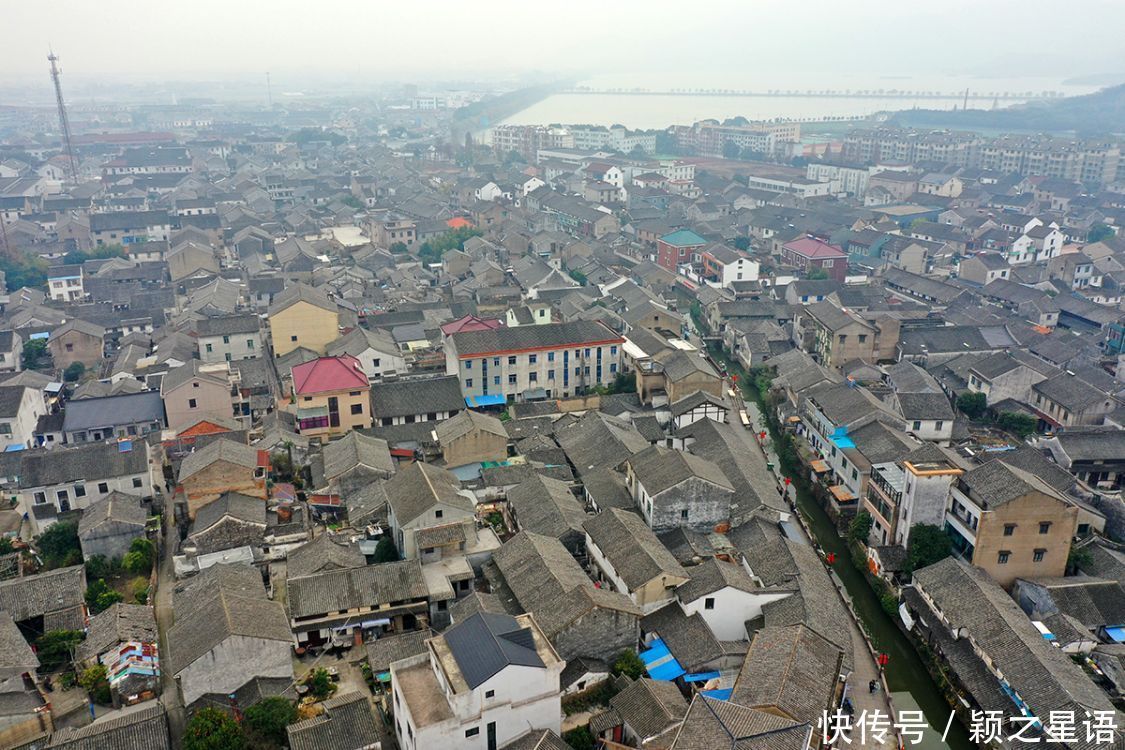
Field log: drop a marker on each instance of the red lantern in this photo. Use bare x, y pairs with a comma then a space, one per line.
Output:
762, 435
883, 659
831, 558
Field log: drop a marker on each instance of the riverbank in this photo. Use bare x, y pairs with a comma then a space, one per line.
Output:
909, 683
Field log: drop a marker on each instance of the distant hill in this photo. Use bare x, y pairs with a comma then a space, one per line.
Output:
1100, 113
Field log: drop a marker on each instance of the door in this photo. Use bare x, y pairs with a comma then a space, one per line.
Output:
333, 411
492, 735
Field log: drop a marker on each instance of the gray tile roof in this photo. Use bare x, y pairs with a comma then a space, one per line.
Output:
220, 450
109, 411
547, 506
632, 548
43, 593
598, 441
742, 462
714, 575
925, 406
116, 506
407, 397
793, 669
230, 504
1044, 677
523, 338
357, 451
346, 724
16, 654
120, 623
417, 487
142, 728
997, 483
383, 651
330, 591
299, 292
322, 553
650, 707
689, 638
537, 739
40, 468
659, 469
467, 422
226, 325
712, 724
1070, 392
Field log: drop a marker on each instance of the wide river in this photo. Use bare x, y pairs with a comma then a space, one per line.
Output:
656, 111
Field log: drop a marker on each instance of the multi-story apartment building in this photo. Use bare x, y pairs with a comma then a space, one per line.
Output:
709, 137
64, 283
482, 683
528, 139
615, 137
547, 361
229, 337
332, 396
910, 491
842, 178
1010, 523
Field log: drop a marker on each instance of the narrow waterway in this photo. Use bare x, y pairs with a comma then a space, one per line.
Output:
912, 688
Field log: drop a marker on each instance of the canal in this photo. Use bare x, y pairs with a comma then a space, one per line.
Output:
912, 687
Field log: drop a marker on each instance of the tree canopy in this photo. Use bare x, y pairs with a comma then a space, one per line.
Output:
213, 729
267, 720
59, 545
972, 405
928, 545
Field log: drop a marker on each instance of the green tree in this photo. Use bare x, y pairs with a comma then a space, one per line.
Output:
320, 683
860, 527
579, 738
21, 269
99, 566
385, 550
972, 405
74, 372
928, 544
213, 729
34, 350
352, 202
817, 274
6, 545
398, 248
59, 544
101, 252
578, 276
629, 664
1099, 232
100, 597
140, 557
56, 649
267, 720
742, 243
1020, 425
1078, 559
93, 680
139, 587
731, 150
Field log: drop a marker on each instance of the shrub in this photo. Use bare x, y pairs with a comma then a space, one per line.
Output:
320, 683
579, 738
59, 545
385, 550
267, 720
1020, 425
56, 648
139, 587
94, 682
100, 597
860, 527
213, 729
972, 405
629, 664
928, 544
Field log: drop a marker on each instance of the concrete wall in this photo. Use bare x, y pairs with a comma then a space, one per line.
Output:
211, 399
89, 350
221, 476
110, 539
1026, 513
475, 446
314, 328
732, 608
238, 346
707, 505
231, 663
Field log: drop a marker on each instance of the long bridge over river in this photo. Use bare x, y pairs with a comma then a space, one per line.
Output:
828, 93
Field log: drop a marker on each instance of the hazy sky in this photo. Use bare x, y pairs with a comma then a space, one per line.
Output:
301, 41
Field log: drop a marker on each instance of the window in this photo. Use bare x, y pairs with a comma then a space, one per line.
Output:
438, 513
137, 482
472, 732
862, 338
210, 348
613, 351
512, 360
550, 374
40, 498
468, 364
1039, 555
1009, 529
5, 428
70, 347
80, 490
533, 377
550, 356
496, 380
357, 408
532, 359
512, 379
489, 693
250, 345
938, 424
709, 603
917, 425
354, 393
293, 337
1044, 527
62, 495
684, 514
103, 487
1002, 558
191, 403
495, 361
468, 382
226, 339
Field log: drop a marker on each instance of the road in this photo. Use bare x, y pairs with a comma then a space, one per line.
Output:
165, 583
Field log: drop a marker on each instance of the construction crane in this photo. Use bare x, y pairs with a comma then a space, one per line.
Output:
64, 121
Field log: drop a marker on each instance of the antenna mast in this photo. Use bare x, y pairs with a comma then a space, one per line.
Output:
269, 91
64, 121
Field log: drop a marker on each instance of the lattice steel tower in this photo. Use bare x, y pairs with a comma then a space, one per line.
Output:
64, 121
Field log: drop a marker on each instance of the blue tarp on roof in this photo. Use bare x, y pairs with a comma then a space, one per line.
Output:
660, 663
491, 399
14, 448
721, 695
840, 437
701, 676
1117, 633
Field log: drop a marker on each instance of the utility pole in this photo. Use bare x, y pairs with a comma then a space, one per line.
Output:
64, 121
269, 91
966, 99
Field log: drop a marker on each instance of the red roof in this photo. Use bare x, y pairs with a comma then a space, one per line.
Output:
471, 323
327, 374
457, 222
811, 247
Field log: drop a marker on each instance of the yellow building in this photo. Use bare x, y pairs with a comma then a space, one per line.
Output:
332, 396
302, 315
